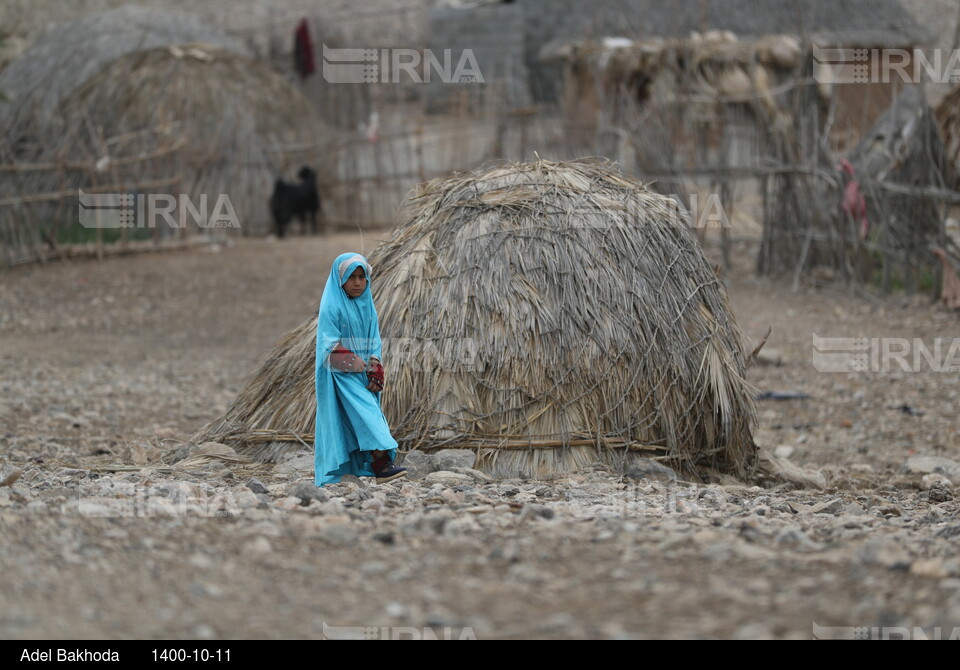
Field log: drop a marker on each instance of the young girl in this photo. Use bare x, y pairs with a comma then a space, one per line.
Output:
351, 435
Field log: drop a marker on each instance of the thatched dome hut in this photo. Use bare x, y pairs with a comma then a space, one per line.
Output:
239, 124
69, 54
548, 316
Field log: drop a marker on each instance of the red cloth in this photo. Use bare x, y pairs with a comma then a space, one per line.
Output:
854, 203
342, 359
303, 50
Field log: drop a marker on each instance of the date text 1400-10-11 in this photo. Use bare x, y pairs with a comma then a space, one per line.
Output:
191, 655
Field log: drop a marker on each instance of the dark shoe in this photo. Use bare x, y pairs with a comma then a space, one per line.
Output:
389, 473
385, 470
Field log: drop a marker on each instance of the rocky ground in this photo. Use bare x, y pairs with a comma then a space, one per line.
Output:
114, 526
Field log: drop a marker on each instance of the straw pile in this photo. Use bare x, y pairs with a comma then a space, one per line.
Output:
71, 53
547, 315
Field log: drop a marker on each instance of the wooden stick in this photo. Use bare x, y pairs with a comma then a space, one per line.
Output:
107, 188
753, 354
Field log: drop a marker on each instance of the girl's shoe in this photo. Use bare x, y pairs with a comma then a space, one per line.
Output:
386, 471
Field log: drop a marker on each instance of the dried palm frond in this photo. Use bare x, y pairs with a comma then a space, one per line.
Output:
547, 315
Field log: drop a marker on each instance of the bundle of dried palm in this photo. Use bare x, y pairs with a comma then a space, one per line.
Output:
547, 315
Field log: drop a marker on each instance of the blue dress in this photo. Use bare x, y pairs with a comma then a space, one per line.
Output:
350, 423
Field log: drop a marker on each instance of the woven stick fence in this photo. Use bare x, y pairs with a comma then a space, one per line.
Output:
39, 200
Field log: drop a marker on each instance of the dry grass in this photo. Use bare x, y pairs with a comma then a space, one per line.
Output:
549, 316
68, 55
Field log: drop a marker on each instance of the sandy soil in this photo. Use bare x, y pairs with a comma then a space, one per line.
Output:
103, 362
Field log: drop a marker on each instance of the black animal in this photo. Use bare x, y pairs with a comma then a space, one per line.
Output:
296, 200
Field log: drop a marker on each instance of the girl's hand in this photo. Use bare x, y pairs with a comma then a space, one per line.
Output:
375, 375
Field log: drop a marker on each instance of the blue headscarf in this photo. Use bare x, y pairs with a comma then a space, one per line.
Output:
350, 321
349, 420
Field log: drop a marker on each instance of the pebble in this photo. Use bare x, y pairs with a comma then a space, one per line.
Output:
204, 632
644, 468
834, 506
784, 451
531, 511
297, 465
448, 478
935, 480
419, 464
447, 459
933, 464
307, 491
886, 553
338, 534
259, 546
256, 486
929, 567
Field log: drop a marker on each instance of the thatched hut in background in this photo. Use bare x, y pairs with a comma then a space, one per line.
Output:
606, 80
548, 316
900, 170
237, 124
67, 56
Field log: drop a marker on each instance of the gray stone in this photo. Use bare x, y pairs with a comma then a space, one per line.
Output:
448, 478
792, 536
447, 459
853, 509
258, 546
784, 451
796, 475
834, 507
476, 474
306, 492
339, 534
419, 464
536, 512
204, 632
298, 464
933, 464
886, 553
935, 480
645, 468
256, 486
939, 495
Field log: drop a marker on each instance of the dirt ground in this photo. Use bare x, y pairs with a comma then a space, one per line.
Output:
102, 362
